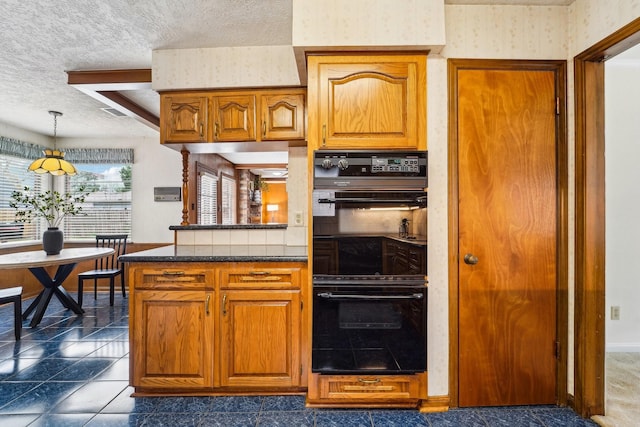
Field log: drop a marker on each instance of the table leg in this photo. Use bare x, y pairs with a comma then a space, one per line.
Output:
52, 286
32, 306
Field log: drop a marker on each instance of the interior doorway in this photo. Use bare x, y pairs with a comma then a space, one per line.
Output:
590, 308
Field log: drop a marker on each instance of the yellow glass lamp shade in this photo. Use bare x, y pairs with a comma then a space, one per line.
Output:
54, 163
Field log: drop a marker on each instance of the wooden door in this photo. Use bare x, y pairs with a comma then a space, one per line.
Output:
172, 339
507, 236
260, 338
234, 118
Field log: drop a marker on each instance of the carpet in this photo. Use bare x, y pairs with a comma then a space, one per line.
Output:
622, 391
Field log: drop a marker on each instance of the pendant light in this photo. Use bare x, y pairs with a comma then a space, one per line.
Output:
53, 161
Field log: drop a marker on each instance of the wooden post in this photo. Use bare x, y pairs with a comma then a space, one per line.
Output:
185, 186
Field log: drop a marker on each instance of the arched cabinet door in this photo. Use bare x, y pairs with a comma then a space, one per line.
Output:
282, 117
367, 101
184, 117
234, 118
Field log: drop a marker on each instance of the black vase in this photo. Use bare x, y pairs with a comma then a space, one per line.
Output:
52, 241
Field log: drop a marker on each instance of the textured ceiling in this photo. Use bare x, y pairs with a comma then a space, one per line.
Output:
41, 40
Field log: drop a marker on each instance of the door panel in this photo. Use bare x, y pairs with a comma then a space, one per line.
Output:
508, 220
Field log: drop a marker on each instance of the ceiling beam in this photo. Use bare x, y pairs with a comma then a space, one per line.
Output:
107, 86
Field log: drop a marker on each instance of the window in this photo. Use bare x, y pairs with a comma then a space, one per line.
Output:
107, 207
228, 200
14, 177
207, 198
105, 172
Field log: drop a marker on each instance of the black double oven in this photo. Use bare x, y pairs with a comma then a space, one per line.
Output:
369, 262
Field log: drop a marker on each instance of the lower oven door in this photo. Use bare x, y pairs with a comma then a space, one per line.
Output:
369, 329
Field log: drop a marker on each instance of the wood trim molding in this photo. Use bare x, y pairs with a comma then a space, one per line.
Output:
434, 404
107, 86
560, 68
589, 398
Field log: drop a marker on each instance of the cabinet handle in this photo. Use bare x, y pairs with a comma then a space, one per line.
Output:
206, 304
201, 130
224, 304
324, 135
173, 273
373, 381
264, 128
259, 273
216, 131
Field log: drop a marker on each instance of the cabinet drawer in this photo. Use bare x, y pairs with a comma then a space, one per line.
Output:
348, 387
171, 278
261, 278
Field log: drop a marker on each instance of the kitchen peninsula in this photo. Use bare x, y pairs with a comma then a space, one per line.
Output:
211, 319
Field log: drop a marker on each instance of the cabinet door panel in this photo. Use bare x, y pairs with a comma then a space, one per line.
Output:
184, 118
173, 339
355, 111
261, 338
367, 102
282, 117
235, 118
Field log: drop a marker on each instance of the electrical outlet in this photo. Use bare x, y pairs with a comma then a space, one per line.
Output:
615, 312
298, 220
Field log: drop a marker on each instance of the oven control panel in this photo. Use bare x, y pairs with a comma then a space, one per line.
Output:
395, 164
370, 163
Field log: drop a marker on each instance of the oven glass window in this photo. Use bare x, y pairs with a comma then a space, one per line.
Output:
369, 330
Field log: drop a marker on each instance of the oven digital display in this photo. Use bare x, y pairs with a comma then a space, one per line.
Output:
395, 164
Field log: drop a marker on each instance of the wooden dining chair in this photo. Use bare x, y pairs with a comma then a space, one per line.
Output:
107, 267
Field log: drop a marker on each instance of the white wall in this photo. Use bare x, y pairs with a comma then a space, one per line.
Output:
622, 155
154, 165
9, 131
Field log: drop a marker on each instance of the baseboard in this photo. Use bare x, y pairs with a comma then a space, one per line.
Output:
622, 348
435, 404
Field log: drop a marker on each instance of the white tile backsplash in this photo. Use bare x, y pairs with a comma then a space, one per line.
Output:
239, 237
185, 237
204, 237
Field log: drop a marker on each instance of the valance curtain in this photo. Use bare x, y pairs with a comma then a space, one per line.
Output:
27, 150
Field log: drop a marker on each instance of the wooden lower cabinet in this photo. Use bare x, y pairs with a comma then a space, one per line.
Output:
211, 328
172, 339
261, 338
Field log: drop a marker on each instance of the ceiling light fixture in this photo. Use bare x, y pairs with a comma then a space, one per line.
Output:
53, 161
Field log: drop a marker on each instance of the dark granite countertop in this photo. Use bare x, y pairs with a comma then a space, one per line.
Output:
229, 227
220, 253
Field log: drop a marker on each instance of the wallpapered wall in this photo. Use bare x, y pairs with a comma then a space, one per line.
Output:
519, 32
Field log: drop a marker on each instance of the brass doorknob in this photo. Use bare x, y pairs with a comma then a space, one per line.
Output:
470, 259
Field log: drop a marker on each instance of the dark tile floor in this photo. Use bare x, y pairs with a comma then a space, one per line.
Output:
73, 371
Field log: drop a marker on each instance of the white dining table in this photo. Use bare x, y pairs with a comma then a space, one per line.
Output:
37, 261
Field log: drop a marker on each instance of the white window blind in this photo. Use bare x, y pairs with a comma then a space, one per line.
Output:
14, 176
228, 200
207, 199
107, 207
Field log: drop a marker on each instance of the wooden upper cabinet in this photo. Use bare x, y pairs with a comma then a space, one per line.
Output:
282, 117
234, 118
233, 115
362, 101
183, 118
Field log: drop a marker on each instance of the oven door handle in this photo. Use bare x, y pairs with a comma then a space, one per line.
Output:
370, 200
329, 295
